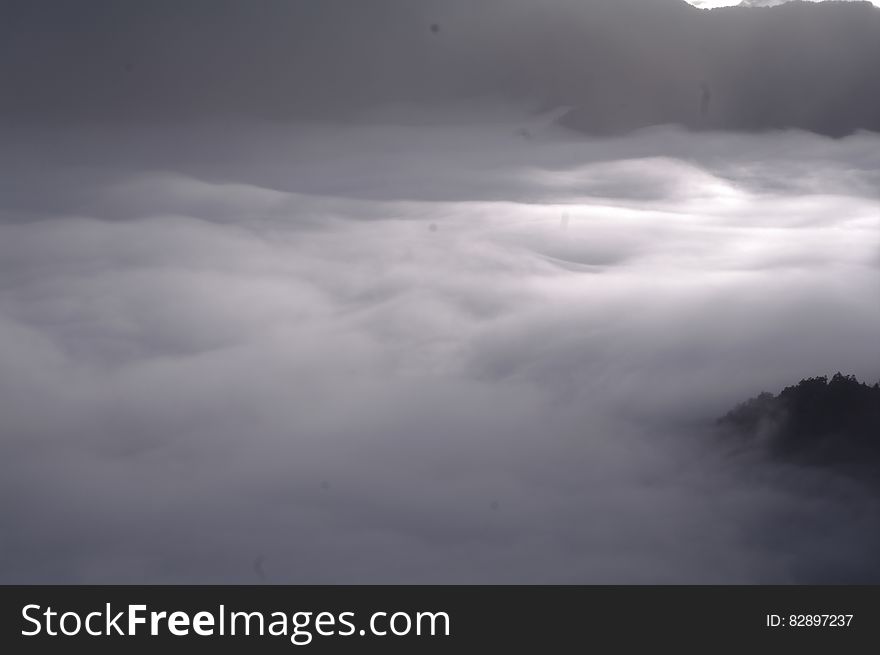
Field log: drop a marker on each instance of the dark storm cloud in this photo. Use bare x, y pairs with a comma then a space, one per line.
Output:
618, 64
315, 353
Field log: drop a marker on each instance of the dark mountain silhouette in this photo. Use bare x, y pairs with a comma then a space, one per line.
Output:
619, 64
833, 423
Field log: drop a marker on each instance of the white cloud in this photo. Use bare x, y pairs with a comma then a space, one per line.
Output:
422, 354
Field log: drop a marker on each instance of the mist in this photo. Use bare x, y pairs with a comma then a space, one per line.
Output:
475, 348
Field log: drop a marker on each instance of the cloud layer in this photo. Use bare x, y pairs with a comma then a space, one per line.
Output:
424, 354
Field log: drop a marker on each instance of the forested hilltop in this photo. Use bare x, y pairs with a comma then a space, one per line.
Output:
820, 421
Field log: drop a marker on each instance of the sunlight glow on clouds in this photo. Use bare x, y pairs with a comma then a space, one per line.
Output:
712, 4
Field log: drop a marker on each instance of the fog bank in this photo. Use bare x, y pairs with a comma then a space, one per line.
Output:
425, 353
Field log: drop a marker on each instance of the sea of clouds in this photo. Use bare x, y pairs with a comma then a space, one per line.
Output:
467, 352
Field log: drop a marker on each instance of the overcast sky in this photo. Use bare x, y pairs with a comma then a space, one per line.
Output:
808, 66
